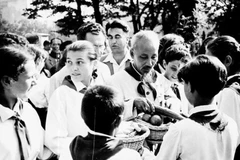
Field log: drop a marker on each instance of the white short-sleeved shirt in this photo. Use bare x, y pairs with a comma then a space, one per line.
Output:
9, 147
117, 67
64, 120
190, 140
228, 101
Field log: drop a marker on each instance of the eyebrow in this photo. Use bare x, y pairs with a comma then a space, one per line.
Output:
76, 59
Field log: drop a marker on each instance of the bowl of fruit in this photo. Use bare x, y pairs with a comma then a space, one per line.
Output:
156, 126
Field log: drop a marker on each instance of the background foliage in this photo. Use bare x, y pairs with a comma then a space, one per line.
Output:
190, 18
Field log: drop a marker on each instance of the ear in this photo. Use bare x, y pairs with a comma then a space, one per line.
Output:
6, 81
117, 122
164, 64
190, 88
228, 61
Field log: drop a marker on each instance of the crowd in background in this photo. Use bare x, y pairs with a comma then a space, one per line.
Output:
71, 99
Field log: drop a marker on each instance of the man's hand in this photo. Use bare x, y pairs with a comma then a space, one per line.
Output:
143, 105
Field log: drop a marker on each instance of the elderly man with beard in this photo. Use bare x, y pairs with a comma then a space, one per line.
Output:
139, 83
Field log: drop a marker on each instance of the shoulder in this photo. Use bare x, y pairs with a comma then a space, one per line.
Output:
64, 91
28, 108
228, 93
120, 75
185, 125
61, 73
103, 67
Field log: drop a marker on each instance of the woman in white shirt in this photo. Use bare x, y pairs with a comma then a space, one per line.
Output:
63, 119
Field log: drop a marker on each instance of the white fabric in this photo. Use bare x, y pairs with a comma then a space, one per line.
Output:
64, 120
185, 106
229, 102
38, 93
117, 67
127, 85
55, 81
9, 147
188, 140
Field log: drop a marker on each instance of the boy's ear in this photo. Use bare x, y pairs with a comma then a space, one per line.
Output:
164, 64
228, 61
6, 81
117, 122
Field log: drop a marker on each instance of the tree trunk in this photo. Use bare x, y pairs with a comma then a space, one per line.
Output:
79, 17
134, 18
97, 13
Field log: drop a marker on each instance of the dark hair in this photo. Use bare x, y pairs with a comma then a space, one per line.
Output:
116, 23
101, 105
177, 52
223, 46
202, 49
206, 74
83, 45
62, 61
89, 27
38, 53
64, 44
12, 39
46, 42
51, 41
32, 38
166, 41
12, 60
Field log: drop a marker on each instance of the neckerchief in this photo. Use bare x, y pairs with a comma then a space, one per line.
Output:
68, 82
130, 69
216, 120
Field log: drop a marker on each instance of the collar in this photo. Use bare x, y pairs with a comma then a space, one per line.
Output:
202, 108
6, 113
131, 70
110, 58
77, 86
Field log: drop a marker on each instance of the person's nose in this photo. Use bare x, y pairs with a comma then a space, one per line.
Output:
74, 67
114, 40
150, 62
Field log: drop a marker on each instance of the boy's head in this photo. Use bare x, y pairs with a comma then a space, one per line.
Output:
166, 41
102, 107
204, 75
227, 50
175, 58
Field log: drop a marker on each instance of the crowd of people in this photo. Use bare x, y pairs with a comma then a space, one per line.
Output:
69, 100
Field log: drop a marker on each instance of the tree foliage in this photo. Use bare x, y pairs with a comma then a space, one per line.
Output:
225, 16
176, 16
24, 26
